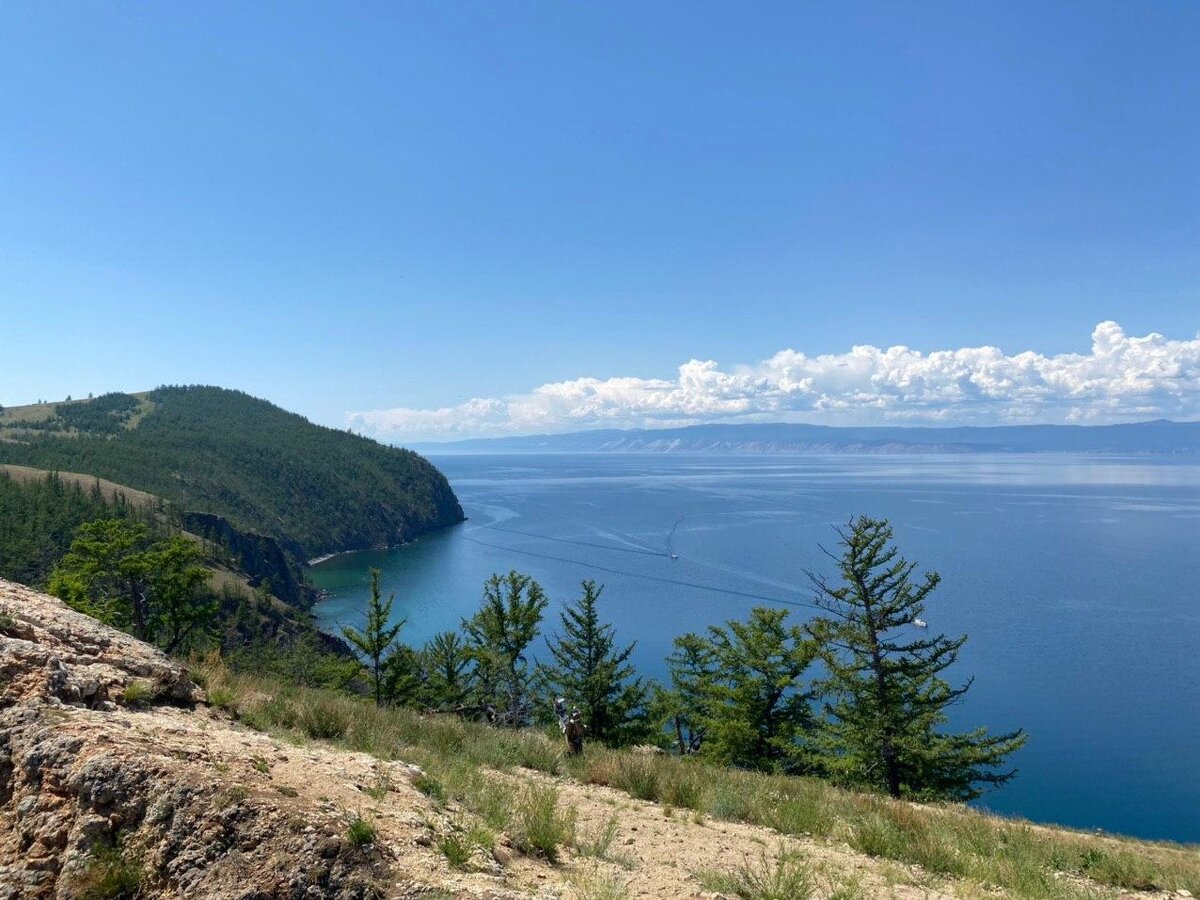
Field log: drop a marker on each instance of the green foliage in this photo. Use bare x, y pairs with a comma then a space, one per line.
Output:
740, 687
38, 519
1026, 861
158, 591
786, 877
593, 674
110, 874
885, 697
106, 414
377, 640
360, 832
499, 636
541, 826
323, 718
446, 668
431, 788
138, 694
267, 471
457, 849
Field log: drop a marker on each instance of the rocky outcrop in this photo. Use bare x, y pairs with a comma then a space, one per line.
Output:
262, 558
112, 771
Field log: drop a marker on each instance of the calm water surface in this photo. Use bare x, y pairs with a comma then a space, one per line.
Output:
1075, 577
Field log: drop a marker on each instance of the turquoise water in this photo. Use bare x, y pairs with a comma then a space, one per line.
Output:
1077, 579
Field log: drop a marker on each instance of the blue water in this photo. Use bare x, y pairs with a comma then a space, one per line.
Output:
1077, 579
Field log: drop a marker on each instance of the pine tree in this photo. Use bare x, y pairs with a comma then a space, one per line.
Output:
886, 697
180, 602
499, 634
377, 639
592, 674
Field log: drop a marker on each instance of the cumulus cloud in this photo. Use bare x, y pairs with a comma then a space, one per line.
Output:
1123, 378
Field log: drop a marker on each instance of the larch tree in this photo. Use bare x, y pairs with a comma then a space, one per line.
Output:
592, 673
886, 700
747, 684
499, 635
377, 639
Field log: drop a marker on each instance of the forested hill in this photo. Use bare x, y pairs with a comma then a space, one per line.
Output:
265, 470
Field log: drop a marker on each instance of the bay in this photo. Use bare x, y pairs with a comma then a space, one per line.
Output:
1076, 578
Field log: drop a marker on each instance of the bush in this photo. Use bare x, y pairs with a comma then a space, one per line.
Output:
360, 832
457, 849
787, 878
431, 788
109, 875
637, 777
541, 827
138, 694
323, 718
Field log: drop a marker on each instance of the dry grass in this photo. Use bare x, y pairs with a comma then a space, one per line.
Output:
948, 840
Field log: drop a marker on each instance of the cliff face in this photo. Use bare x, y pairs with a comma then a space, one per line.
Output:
261, 558
111, 769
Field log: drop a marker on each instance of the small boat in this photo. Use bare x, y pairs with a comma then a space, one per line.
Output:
920, 623
674, 556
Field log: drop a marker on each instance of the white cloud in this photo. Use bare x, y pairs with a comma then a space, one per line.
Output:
1121, 379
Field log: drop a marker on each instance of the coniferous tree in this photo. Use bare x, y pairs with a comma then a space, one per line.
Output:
745, 679
590, 672
886, 697
499, 636
105, 574
686, 707
376, 641
181, 605
156, 590
446, 664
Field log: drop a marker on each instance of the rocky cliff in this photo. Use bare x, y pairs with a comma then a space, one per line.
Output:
114, 774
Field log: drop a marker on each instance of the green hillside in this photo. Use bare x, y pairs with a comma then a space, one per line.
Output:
212, 450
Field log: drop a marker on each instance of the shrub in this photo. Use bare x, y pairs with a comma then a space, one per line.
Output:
360, 832
323, 718
637, 777
109, 875
138, 694
431, 788
786, 878
541, 827
457, 849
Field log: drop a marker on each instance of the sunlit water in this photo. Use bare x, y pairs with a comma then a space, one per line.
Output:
1075, 577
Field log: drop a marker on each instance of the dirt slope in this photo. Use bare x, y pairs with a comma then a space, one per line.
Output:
196, 805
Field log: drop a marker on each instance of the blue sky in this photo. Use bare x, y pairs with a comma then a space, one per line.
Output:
454, 219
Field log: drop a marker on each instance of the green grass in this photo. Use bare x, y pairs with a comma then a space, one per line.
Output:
542, 827
360, 832
787, 877
945, 840
431, 788
138, 694
110, 874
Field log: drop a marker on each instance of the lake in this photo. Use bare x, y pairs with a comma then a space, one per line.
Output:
1076, 577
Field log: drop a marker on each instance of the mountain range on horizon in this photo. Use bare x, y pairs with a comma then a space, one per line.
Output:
1160, 436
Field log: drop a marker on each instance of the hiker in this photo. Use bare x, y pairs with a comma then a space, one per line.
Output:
574, 730
560, 710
